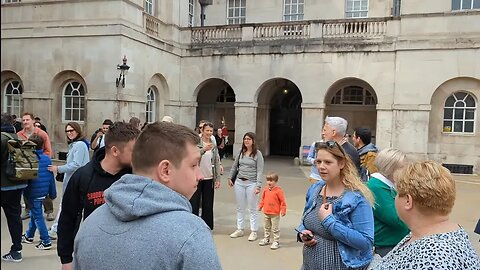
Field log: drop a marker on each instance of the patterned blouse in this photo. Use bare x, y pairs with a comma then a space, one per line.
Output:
451, 250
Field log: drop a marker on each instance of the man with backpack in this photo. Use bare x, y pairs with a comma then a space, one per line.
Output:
11, 194
362, 140
84, 192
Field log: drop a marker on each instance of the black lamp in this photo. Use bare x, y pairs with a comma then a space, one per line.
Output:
123, 71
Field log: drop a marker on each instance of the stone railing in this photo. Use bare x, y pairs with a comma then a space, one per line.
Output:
217, 34
279, 31
151, 24
363, 28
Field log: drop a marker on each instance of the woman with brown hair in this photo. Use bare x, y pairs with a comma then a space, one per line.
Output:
77, 157
337, 223
246, 178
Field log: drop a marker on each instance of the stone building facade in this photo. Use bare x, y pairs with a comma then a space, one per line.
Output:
408, 69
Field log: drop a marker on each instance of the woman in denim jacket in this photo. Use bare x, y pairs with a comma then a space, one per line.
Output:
337, 225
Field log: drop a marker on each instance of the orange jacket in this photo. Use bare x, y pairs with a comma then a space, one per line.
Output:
47, 146
273, 201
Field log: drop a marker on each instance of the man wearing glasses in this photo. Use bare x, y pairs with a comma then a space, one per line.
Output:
334, 129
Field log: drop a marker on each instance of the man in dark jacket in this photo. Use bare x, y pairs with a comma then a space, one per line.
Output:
11, 195
84, 192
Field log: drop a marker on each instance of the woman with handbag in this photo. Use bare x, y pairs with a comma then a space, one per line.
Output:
246, 178
211, 169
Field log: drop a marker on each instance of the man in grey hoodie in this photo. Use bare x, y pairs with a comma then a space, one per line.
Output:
147, 221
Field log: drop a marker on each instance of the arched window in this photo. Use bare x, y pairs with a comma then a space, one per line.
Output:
73, 105
353, 95
13, 98
226, 95
151, 105
459, 113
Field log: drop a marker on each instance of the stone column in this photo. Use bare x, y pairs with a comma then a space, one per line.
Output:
245, 121
384, 126
313, 115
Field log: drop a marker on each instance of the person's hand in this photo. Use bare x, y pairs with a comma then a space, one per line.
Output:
221, 169
259, 208
283, 214
99, 134
307, 242
67, 266
325, 210
208, 147
53, 168
217, 184
230, 182
257, 190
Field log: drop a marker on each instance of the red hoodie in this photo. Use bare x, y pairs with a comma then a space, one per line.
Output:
273, 201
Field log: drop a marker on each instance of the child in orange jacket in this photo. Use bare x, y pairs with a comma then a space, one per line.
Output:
274, 205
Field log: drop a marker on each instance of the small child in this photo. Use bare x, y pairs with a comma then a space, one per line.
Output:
35, 193
274, 205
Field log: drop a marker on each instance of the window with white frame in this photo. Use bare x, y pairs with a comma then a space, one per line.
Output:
293, 10
236, 11
148, 6
10, 1
356, 9
151, 105
353, 95
459, 113
191, 12
465, 4
13, 98
73, 105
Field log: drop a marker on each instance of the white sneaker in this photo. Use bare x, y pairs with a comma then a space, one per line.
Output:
275, 245
252, 236
237, 233
52, 234
264, 242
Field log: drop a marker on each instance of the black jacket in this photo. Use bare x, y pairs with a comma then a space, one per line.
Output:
84, 194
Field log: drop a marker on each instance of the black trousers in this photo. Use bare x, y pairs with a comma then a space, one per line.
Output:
12, 209
204, 195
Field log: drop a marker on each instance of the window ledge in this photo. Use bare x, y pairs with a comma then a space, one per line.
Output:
459, 134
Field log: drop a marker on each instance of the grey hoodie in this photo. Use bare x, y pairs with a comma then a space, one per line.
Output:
144, 225
367, 148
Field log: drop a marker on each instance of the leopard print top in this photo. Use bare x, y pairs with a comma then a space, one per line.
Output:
451, 250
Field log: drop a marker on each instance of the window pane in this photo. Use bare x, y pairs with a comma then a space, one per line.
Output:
287, 9
294, 9
460, 95
476, 3
242, 12
468, 126
450, 101
470, 114
82, 115
447, 113
467, 4
455, 4
76, 115
458, 126
364, 5
230, 12
447, 126
459, 114
470, 102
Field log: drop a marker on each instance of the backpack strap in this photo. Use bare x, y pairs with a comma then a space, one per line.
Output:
6, 134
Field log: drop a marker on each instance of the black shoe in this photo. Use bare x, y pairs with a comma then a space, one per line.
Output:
12, 256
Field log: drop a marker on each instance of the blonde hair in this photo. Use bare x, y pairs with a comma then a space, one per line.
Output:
349, 173
272, 176
430, 184
389, 160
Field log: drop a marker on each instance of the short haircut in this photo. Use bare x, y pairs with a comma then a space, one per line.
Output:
107, 122
29, 114
431, 186
37, 140
134, 121
162, 141
337, 123
272, 176
119, 134
389, 160
6, 119
365, 134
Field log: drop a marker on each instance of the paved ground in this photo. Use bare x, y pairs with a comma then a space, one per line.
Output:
241, 254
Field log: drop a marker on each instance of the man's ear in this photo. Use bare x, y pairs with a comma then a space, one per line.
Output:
164, 171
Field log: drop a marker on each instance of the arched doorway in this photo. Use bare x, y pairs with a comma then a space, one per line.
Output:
280, 111
355, 100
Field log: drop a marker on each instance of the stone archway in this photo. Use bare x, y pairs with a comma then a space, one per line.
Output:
355, 100
279, 117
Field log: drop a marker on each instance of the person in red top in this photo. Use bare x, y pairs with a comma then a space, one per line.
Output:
29, 129
274, 205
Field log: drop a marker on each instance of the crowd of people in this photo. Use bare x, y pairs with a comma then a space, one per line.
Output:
367, 208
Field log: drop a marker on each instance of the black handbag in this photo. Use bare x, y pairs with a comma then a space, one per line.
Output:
59, 177
234, 176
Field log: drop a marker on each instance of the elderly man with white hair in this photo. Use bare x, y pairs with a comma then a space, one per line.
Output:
334, 129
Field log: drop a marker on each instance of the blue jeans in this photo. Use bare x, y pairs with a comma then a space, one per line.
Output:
37, 221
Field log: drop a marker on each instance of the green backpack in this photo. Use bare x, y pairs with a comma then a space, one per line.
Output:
22, 161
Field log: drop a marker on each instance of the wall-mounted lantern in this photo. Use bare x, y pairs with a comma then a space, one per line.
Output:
123, 71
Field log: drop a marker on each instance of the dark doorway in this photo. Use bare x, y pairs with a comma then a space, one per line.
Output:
286, 120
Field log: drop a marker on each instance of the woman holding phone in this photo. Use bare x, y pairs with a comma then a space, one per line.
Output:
337, 223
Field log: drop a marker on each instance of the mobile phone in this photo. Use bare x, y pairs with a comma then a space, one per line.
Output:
308, 236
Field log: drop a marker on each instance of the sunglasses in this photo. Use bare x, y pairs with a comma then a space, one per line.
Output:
69, 130
329, 144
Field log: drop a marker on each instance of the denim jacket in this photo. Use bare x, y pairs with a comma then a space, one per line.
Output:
351, 224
